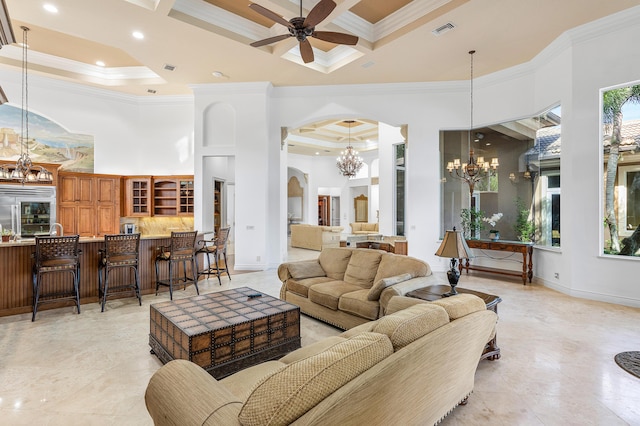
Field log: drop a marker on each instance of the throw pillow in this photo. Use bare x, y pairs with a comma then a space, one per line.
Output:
378, 287
279, 399
306, 269
362, 267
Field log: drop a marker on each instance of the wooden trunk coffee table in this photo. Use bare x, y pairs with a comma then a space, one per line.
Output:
435, 292
226, 331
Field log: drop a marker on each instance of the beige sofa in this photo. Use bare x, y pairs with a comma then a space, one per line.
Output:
411, 367
348, 286
315, 237
364, 228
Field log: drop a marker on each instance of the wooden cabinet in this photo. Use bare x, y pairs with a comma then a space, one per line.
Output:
157, 196
89, 204
75, 188
136, 200
165, 197
185, 197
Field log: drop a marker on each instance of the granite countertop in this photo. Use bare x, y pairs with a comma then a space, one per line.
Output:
32, 241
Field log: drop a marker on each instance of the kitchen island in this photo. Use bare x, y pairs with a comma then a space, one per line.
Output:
16, 285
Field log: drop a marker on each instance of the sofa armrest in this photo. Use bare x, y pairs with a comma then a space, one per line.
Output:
405, 287
181, 392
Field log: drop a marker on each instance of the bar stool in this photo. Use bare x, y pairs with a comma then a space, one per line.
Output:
121, 251
59, 255
215, 248
181, 250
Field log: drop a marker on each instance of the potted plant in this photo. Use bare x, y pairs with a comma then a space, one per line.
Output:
471, 222
6, 235
494, 234
524, 228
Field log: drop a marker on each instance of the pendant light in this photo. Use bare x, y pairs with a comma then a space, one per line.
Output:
349, 162
474, 170
22, 171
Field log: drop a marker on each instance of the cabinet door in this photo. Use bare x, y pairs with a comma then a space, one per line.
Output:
86, 221
67, 218
67, 188
76, 189
137, 197
85, 190
185, 198
108, 222
107, 190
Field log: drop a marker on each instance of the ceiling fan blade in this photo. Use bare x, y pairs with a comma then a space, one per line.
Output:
318, 13
270, 40
271, 15
306, 51
338, 38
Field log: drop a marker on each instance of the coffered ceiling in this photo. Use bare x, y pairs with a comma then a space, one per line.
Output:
207, 41
186, 42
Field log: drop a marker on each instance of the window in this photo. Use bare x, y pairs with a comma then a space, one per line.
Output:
620, 127
400, 187
525, 188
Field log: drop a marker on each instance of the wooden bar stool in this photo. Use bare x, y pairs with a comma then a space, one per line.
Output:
181, 250
216, 248
56, 255
121, 251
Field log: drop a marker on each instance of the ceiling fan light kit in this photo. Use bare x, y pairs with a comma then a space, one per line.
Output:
301, 28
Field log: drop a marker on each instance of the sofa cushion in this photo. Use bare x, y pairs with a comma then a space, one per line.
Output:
408, 325
301, 287
310, 350
378, 286
356, 303
306, 269
461, 305
328, 294
362, 267
242, 382
334, 261
282, 397
393, 264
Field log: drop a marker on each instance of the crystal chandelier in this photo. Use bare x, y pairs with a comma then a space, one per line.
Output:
475, 169
22, 171
349, 162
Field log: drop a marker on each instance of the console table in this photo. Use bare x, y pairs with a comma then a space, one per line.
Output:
508, 246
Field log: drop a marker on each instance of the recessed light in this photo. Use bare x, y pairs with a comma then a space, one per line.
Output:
317, 153
50, 8
138, 35
151, 91
217, 74
100, 63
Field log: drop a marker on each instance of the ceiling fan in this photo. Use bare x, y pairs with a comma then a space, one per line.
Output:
301, 28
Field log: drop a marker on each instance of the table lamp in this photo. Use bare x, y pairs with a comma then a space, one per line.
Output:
453, 246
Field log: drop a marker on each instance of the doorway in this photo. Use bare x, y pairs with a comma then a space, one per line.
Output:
335, 211
324, 206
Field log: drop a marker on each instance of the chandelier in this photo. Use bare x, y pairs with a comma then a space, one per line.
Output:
475, 169
22, 171
349, 162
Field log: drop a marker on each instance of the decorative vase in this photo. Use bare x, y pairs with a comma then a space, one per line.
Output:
494, 235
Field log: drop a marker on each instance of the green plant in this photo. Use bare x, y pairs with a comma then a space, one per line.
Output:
6, 231
471, 221
524, 228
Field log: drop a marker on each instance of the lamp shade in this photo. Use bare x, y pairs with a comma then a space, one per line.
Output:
454, 246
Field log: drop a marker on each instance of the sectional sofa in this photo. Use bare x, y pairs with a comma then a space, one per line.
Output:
411, 367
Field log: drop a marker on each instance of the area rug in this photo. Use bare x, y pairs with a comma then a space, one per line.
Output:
629, 362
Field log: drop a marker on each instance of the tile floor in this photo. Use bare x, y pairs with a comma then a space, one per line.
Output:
556, 368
